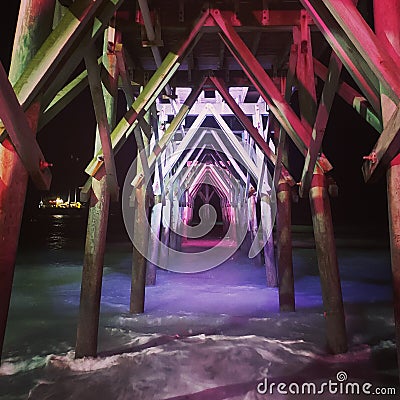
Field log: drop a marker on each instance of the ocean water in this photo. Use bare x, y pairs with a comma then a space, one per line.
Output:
215, 309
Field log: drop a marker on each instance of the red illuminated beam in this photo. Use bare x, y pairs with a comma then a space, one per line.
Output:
222, 89
356, 31
264, 84
359, 69
21, 135
305, 72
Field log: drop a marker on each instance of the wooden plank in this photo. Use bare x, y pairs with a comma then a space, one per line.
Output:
321, 120
75, 55
65, 36
21, 134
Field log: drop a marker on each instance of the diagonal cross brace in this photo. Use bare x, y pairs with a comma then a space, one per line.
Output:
64, 37
353, 29
286, 89
264, 84
62, 50
169, 133
96, 90
222, 89
64, 97
21, 135
321, 120
356, 64
154, 87
351, 97
372, 50
385, 149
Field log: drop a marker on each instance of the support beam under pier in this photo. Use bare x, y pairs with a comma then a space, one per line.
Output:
34, 24
284, 247
328, 264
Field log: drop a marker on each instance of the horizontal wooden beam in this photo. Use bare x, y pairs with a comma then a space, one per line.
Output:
21, 135
73, 57
221, 107
264, 18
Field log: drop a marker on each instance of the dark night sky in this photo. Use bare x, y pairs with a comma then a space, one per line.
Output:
68, 142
